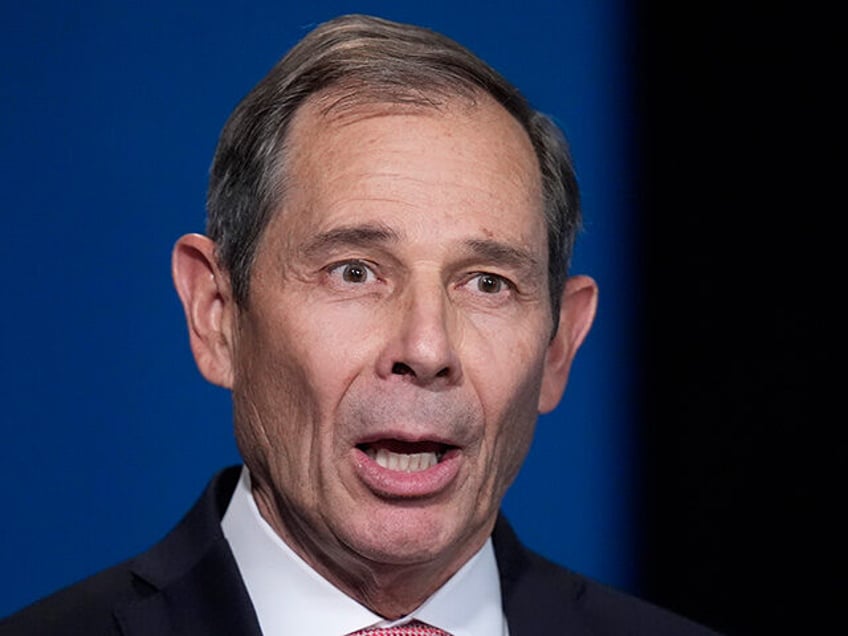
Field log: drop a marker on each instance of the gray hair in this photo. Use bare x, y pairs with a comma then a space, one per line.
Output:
367, 59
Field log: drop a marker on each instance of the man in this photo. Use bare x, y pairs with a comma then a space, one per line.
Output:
383, 288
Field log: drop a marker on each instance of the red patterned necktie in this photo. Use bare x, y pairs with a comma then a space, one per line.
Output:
415, 628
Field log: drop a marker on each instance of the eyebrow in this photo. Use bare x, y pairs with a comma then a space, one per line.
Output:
358, 235
502, 253
374, 234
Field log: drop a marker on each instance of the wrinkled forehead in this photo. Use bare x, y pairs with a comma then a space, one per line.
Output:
354, 163
337, 108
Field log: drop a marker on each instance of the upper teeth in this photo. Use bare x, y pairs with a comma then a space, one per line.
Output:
409, 463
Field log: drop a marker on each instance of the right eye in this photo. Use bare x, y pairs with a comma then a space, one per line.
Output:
352, 272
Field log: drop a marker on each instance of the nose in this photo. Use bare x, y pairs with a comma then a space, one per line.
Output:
421, 347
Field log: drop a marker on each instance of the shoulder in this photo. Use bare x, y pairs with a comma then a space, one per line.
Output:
83, 608
93, 605
539, 595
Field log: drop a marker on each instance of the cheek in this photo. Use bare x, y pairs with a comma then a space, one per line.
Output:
290, 380
269, 405
506, 364
274, 404
343, 329
515, 433
508, 387
338, 348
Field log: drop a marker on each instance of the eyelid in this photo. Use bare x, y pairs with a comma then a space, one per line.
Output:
349, 261
476, 276
335, 267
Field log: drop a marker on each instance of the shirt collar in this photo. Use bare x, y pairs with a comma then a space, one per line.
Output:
290, 597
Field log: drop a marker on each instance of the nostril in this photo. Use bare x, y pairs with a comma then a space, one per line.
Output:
443, 373
399, 368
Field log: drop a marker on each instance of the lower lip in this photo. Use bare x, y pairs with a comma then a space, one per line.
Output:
407, 485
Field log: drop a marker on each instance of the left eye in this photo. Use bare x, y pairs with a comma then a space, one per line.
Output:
490, 283
355, 272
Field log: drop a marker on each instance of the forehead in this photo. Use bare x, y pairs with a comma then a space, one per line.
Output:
463, 159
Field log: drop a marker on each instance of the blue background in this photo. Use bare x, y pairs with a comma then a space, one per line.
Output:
109, 114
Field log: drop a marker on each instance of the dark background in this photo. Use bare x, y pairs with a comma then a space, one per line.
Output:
695, 460
740, 160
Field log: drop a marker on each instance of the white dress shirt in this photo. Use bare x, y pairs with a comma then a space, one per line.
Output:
291, 598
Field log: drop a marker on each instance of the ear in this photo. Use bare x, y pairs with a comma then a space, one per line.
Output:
577, 310
204, 289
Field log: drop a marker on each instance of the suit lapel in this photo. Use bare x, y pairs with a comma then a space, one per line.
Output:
208, 599
537, 598
189, 583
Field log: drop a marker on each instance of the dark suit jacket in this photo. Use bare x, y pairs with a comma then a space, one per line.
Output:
189, 584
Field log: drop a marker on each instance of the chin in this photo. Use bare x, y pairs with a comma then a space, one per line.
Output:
407, 536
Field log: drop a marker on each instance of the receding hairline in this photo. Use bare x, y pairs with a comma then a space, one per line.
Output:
338, 105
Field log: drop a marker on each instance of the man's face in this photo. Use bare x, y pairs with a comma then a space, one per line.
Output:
390, 362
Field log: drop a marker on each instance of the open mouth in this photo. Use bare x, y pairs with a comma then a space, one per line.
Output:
408, 457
